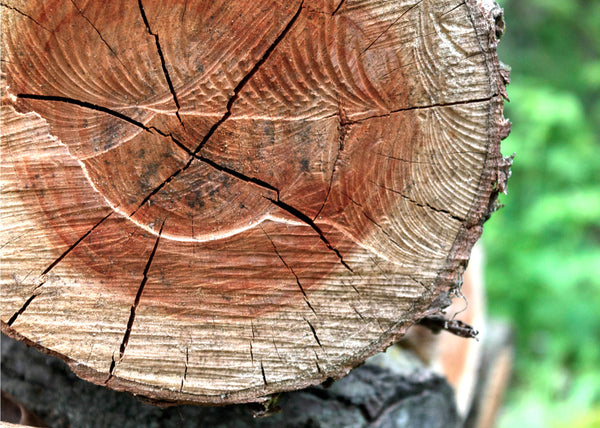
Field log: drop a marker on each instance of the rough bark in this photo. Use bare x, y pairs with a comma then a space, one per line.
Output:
211, 202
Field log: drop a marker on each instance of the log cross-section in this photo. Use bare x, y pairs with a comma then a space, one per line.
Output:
213, 201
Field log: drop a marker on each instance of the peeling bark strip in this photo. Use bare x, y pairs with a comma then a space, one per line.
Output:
325, 167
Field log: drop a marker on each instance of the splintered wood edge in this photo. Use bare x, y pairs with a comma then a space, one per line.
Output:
486, 17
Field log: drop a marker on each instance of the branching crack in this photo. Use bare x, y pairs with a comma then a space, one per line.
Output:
162, 61
72, 247
242, 83
314, 332
290, 269
136, 302
226, 115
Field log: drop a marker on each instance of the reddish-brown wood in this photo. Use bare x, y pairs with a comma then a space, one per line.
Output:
215, 201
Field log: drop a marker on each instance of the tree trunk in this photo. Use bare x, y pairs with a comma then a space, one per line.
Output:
212, 202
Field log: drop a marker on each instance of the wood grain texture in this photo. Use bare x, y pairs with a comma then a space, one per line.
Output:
216, 201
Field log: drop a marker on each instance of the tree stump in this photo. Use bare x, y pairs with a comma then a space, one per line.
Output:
210, 202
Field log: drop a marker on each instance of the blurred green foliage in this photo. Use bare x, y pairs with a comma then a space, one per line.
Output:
543, 248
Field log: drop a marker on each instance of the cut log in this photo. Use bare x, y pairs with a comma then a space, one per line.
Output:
211, 202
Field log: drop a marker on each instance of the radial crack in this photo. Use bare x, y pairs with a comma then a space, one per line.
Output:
391, 25
419, 204
453, 8
239, 175
26, 16
72, 247
338, 7
136, 302
226, 115
187, 360
343, 131
162, 61
290, 269
21, 310
262, 370
359, 314
276, 349
84, 104
385, 232
118, 115
421, 283
314, 332
429, 106
306, 219
99, 35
